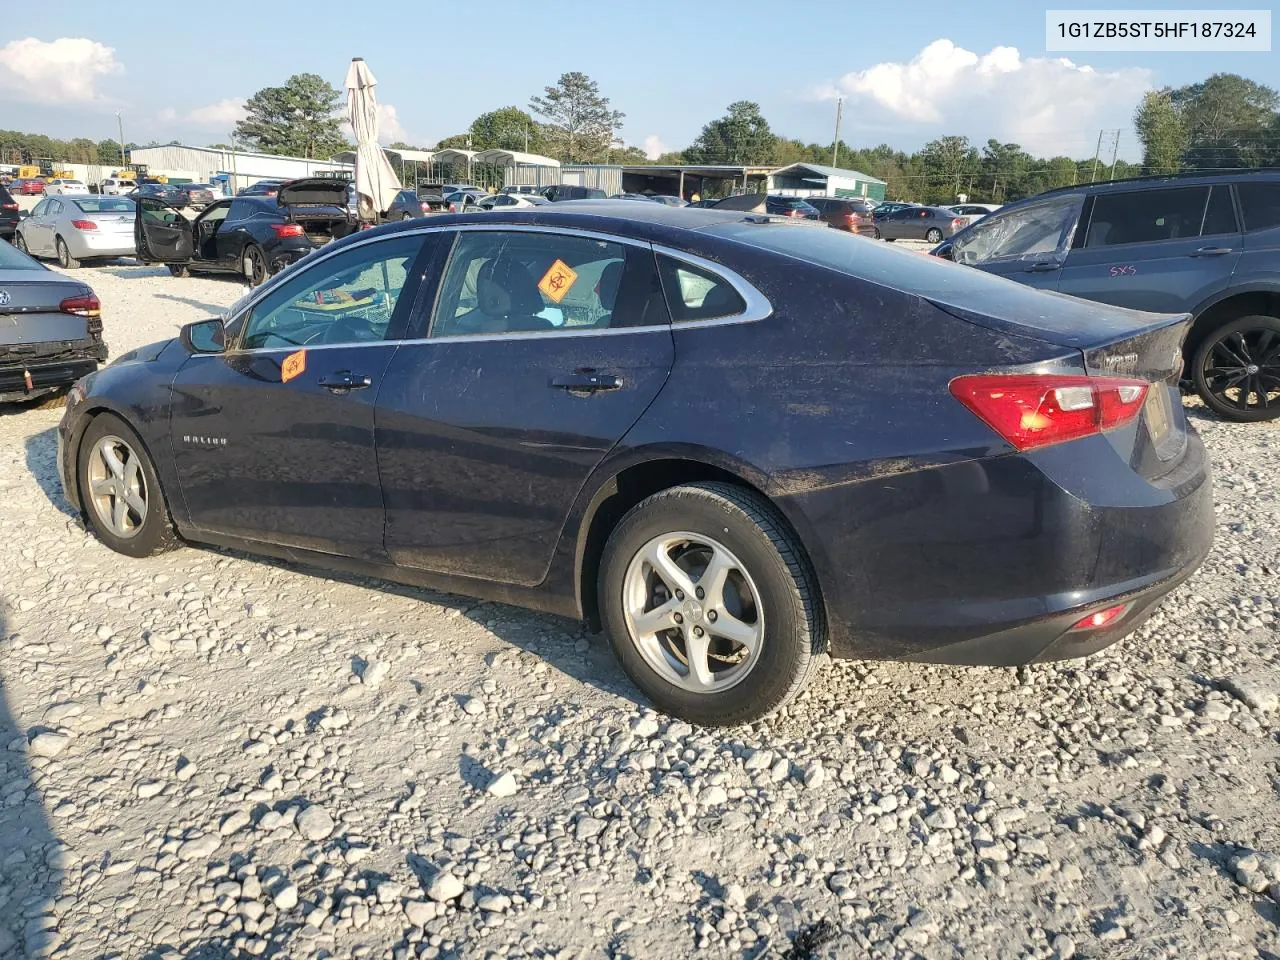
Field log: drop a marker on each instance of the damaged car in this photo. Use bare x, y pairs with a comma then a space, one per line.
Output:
50, 328
254, 237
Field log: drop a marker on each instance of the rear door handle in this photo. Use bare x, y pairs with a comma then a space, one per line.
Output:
1211, 252
587, 381
344, 380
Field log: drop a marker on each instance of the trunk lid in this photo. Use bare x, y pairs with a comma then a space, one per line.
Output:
30, 314
313, 191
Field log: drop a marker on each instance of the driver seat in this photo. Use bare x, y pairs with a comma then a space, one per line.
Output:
507, 295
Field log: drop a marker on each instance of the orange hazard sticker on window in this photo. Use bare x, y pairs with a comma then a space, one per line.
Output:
294, 365
557, 281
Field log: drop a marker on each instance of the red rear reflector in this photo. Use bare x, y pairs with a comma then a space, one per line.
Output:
1034, 410
1101, 618
287, 229
84, 224
82, 306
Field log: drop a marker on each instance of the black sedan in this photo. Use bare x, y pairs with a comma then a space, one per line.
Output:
254, 237
733, 443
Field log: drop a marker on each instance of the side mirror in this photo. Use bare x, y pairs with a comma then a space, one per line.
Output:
23, 214
205, 336
944, 251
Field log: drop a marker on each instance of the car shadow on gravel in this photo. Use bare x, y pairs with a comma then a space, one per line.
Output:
31, 861
213, 309
42, 457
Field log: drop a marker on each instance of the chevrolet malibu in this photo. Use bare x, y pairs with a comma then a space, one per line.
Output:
733, 443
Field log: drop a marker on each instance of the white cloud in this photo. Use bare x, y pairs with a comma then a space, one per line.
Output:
64, 70
224, 114
390, 129
1050, 106
654, 147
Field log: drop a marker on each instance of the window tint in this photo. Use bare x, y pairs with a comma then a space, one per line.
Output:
1220, 214
348, 298
40, 208
694, 294
1037, 228
1146, 216
1260, 203
55, 208
534, 282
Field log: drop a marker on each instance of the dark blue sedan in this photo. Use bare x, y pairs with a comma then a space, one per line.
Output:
732, 442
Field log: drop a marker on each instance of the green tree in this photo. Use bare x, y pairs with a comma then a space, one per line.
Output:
950, 166
741, 136
1227, 121
109, 152
1161, 130
1005, 168
298, 119
507, 128
579, 123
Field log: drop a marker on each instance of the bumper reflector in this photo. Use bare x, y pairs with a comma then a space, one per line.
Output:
1101, 618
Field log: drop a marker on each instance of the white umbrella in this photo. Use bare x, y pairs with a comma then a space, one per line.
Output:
376, 181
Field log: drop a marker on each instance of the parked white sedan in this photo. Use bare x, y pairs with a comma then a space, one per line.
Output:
75, 228
116, 186
59, 187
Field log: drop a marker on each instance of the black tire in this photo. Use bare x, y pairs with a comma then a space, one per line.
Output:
1225, 358
890, 239
65, 259
933, 235
179, 270
20, 243
259, 271
794, 629
155, 534
876, 234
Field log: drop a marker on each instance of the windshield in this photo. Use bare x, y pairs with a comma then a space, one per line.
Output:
104, 205
12, 259
1035, 229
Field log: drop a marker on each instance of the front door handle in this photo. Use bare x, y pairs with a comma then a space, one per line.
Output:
587, 381
344, 380
1211, 252
1042, 266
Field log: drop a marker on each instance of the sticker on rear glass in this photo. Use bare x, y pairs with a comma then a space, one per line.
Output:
557, 281
294, 365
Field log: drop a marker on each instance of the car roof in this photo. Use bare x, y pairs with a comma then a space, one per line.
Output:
1176, 179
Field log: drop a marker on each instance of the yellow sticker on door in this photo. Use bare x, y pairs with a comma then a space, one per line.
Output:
557, 281
294, 365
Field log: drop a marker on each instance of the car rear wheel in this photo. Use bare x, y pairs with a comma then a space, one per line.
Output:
876, 233
123, 503
179, 270
934, 235
1237, 370
65, 259
256, 271
710, 605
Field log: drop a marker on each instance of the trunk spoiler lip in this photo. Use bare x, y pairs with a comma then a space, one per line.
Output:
1140, 322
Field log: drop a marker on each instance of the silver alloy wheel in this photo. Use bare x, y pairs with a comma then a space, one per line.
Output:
117, 487
693, 612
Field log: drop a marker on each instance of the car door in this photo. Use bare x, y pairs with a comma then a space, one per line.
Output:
273, 440
1260, 206
1165, 249
899, 223
161, 233
544, 347
1026, 243
36, 233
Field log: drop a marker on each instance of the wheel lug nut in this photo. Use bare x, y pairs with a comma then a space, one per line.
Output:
711, 615
700, 593
679, 594
679, 618
697, 631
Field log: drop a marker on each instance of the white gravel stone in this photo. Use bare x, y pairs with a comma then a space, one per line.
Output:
494, 903
503, 785
49, 744
444, 887
199, 848
314, 823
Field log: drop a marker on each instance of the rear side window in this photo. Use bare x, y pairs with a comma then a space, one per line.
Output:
1220, 214
1146, 216
696, 294
1260, 203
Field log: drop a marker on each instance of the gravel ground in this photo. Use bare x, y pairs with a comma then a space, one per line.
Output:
215, 756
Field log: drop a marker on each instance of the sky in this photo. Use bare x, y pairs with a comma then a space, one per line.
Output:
907, 72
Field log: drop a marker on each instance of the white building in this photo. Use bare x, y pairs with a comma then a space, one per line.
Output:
814, 179
201, 164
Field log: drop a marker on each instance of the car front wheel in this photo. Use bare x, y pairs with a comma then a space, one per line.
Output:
710, 605
120, 492
1237, 370
20, 243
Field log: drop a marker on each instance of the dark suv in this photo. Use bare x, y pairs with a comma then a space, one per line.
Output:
1204, 245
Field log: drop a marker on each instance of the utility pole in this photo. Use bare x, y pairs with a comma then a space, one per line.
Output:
120, 130
835, 147
1094, 174
1115, 150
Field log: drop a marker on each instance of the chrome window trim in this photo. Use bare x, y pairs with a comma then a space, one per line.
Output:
758, 306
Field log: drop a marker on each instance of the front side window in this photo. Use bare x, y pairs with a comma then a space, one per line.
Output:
1036, 229
1260, 202
1220, 213
697, 294
527, 282
346, 299
1146, 216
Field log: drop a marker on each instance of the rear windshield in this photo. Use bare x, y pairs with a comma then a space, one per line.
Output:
104, 205
12, 259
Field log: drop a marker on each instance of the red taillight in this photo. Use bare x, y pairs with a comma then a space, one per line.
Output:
453, 208
84, 224
426, 207
957, 223
1035, 410
8, 206
287, 229
86, 305
1100, 618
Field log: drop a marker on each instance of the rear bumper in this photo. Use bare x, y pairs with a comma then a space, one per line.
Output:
992, 562
85, 246
27, 375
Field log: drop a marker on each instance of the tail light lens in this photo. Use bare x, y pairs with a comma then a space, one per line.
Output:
425, 207
957, 223
8, 206
84, 224
453, 208
85, 305
1036, 410
287, 229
